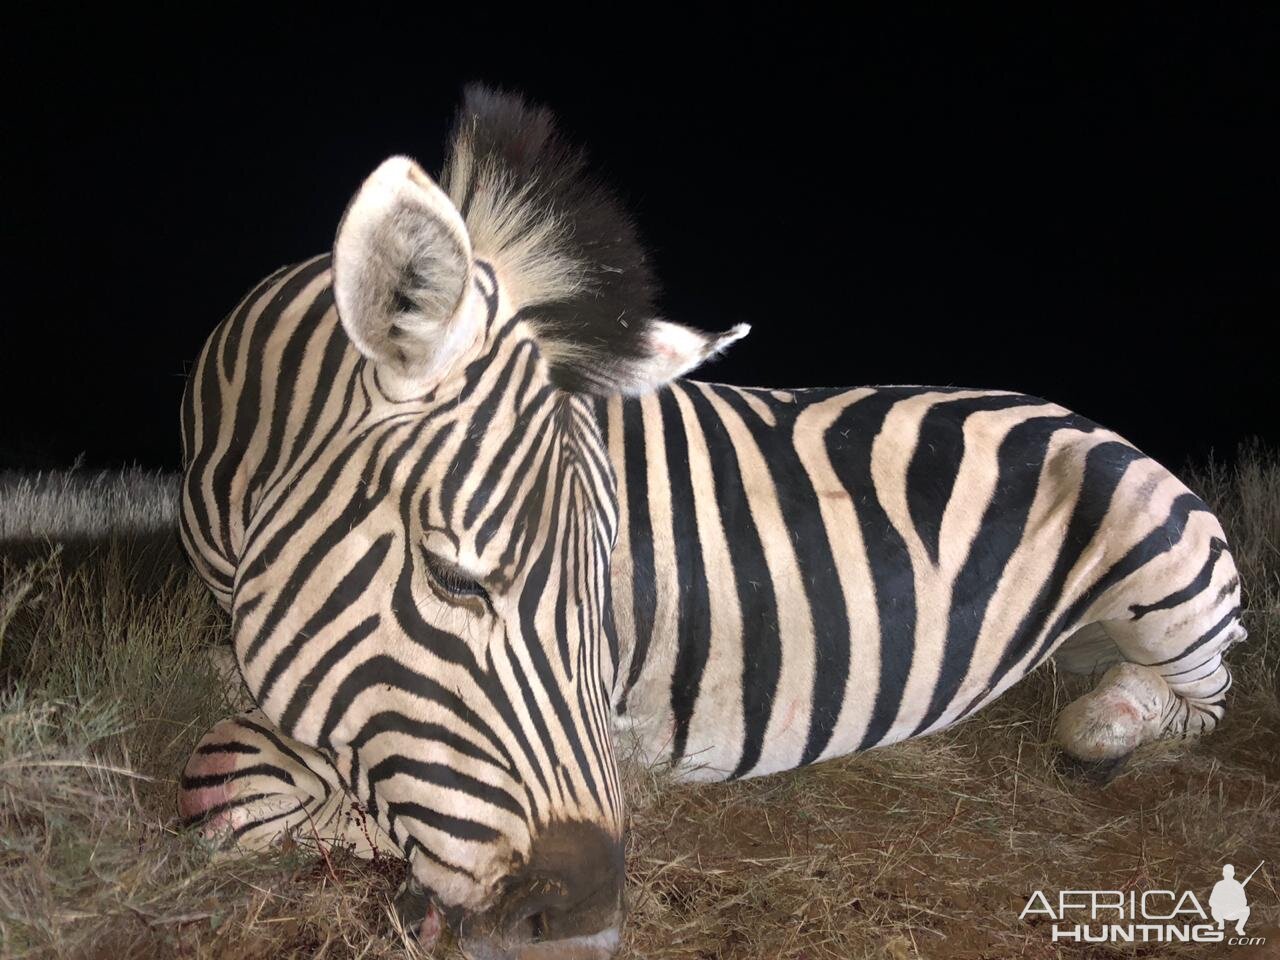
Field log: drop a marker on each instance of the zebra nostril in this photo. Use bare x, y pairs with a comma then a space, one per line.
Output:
537, 923
417, 912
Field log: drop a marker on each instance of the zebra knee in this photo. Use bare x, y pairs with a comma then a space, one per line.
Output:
1188, 652
1127, 708
243, 785
1199, 703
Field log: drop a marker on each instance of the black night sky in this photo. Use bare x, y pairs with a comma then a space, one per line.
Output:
1083, 209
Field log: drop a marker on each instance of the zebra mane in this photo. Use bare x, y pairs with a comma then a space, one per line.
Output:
567, 249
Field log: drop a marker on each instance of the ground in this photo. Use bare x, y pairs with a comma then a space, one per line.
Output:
927, 849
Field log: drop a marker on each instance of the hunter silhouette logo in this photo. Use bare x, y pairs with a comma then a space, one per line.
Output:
1228, 901
1148, 916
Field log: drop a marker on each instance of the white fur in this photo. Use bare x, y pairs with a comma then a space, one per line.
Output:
401, 274
1124, 711
674, 350
1087, 651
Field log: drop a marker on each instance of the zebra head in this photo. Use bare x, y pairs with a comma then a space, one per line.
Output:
424, 588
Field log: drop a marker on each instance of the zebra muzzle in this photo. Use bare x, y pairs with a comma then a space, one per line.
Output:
566, 902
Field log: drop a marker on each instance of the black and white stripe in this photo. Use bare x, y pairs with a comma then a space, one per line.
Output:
810, 572
324, 553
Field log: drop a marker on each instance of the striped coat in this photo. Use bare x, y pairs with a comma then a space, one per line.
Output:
806, 573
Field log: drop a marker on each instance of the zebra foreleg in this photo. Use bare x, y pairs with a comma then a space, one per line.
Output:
248, 786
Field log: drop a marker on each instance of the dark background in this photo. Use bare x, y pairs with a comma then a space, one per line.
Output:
1083, 209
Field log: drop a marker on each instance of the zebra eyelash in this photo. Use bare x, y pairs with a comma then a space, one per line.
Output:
450, 578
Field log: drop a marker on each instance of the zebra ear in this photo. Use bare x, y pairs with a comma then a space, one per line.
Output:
667, 351
401, 267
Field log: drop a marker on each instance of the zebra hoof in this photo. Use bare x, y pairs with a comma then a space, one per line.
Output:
1096, 772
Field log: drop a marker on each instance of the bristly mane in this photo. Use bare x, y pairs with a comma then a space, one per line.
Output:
566, 248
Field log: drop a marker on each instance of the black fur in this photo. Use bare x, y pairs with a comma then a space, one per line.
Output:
606, 322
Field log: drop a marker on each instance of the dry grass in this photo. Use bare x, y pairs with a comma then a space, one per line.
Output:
71, 503
926, 849
106, 691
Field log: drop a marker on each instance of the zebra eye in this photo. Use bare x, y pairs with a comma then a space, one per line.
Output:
451, 578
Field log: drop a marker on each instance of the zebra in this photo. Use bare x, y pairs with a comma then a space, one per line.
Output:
473, 526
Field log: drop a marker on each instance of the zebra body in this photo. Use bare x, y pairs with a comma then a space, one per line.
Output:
806, 573
470, 523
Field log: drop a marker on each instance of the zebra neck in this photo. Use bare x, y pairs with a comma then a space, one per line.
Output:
704, 546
